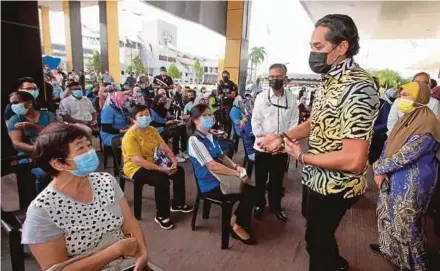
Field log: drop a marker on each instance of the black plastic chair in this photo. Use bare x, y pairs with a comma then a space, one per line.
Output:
12, 221
247, 163
137, 189
226, 206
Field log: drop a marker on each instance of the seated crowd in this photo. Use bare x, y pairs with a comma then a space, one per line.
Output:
82, 217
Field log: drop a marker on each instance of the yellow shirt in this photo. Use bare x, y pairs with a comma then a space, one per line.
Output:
142, 143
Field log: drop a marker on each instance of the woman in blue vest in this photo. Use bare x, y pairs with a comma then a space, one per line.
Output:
208, 159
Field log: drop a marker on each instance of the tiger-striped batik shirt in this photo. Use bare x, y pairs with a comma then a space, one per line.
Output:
346, 107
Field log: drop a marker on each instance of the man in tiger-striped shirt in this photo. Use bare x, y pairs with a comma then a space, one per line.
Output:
339, 132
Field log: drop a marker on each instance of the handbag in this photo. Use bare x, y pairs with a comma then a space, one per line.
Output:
108, 239
160, 158
228, 184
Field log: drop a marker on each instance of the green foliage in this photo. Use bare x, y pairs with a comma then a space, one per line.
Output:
389, 78
256, 57
174, 72
138, 66
95, 62
129, 69
198, 68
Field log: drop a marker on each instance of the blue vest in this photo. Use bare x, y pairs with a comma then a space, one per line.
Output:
206, 180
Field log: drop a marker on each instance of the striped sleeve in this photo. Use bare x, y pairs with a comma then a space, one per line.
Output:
198, 151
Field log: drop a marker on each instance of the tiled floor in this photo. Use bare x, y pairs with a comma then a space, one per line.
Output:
280, 245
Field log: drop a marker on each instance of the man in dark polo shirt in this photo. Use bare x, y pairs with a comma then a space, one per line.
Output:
163, 81
339, 133
226, 92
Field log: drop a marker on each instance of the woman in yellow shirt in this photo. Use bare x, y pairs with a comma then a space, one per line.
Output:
139, 146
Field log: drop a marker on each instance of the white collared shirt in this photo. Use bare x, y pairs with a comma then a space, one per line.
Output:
268, 118
81, 109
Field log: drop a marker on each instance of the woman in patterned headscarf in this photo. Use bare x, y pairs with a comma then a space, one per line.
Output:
406, 175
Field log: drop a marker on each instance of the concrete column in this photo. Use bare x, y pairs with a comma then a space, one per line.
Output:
109, 38
21, 54
45, 29
237, 41
73, 30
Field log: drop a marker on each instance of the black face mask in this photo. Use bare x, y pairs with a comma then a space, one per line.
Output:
225, 79
318, 62
276, 83
192, 99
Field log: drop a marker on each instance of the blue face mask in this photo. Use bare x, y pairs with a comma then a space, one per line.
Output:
78, 93
86, 163
35, 93
208, 122
19, 109
143, 122
391, 93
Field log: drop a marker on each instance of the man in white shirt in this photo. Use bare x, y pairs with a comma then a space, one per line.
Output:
433, 104
275, 111
77, 108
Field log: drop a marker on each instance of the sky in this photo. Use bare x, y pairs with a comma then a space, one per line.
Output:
281, 26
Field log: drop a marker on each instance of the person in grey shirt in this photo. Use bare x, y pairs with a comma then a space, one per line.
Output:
107, 79
80, 208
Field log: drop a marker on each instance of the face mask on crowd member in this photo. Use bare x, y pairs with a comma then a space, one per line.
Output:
142, 117
225, 77
408, 95
328, 51
277, 76
391, 94
163, 72
86, 163
21, 102
30, 88
77, 93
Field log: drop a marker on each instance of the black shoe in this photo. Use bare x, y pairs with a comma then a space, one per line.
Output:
250, 241
342, 265
164, 223
375, 248
184, 209
258, 213
281, 215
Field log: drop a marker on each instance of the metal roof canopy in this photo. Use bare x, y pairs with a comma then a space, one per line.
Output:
384, 19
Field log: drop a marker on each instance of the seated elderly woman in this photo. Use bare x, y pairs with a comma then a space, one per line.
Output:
210, 165
82, 220
149, 160
24, 127
169, 128
138, 98
115, 121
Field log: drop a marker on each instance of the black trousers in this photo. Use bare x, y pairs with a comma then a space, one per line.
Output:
179, 135
246, 203
272, 166
161, 184
323, 214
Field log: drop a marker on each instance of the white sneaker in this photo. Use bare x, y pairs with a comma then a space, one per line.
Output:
184, 155
180, 159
